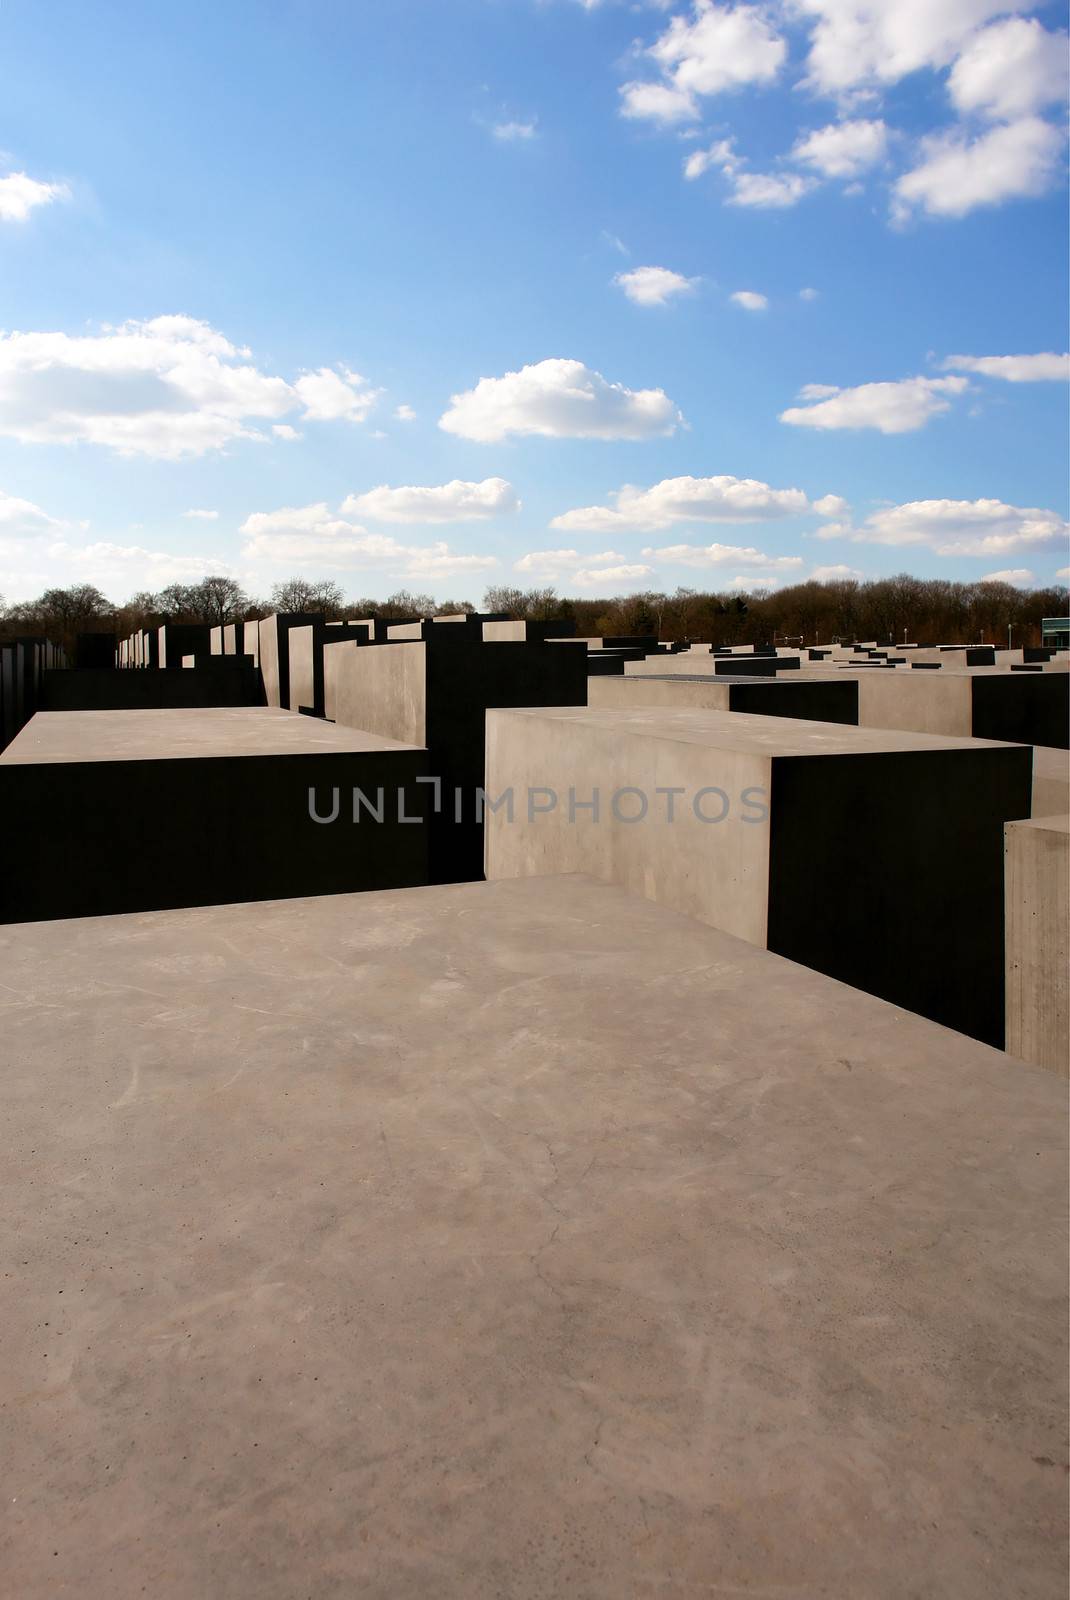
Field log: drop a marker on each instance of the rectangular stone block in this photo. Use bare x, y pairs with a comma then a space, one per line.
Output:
306, 688
1038, 941
873, 856
816, 701
274, 653
1030, 709
142, 810
435, 692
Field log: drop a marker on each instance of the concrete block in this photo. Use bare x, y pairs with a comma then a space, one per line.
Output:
232, 681
251, 640
984, 705
873, 856
583, 1243
141, 810
306, 643
1051, 782
435, 693
1038, 941
829, 700
177, 639
274, 653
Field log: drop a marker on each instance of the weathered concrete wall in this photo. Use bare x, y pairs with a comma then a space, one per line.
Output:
1051, 782
1038, 941
873, 856
274, 653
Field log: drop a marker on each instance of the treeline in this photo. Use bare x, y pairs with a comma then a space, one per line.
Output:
924, 609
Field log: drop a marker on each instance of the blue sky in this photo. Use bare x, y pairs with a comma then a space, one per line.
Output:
235, 239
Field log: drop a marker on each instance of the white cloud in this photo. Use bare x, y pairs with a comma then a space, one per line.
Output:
197, 515
963, 527
720, 555
282, 430
591, 578
170, 388
834, 573
749, 300
809, 294
653, 286
720, 47
511, 132
956, 174
721, 154
559, 399
717, 499
890, 407
1016, 575
831, 505
843, 149
330, 396
448, 502
658, 102
320, 539
1013, 369
768, 190
405, 414
1062, 572
19, 195
1011, 69
21, 519
859, 43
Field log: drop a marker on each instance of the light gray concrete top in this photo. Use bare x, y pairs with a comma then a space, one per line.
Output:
748, 733
1043, 824
63, 736
519, 1238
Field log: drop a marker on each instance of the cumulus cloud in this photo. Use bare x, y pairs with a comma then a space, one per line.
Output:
322, 539
1013, 369
831, 505
559, 399
1015, 575
809, 294
958, 174
1011, 69
720, 154
455, 501
860, 43
653, 286
20, 194
195, 514
963, 527
21, 519
770, 191
749, 300
170, 387
843, 149
405, 414
283, 430
582, 571
720, 555
657, 102
898, 407
673, 500
831, 574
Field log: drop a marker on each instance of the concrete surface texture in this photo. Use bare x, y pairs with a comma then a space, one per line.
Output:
873, 855
175, 735
1037, 879
274, 652
138, 811
515, 1239
219, 681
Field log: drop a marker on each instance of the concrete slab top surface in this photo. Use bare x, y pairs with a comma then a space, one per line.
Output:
750, 733
517, 1239
76, 736
1043, 824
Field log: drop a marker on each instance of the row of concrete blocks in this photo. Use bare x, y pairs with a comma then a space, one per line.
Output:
23, 663
876, 858
977, 702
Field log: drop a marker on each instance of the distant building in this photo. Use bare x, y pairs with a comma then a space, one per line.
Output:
1055, 631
